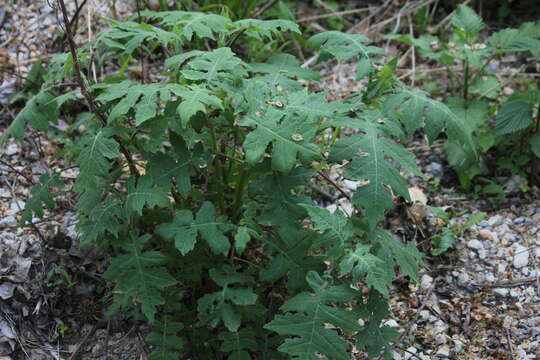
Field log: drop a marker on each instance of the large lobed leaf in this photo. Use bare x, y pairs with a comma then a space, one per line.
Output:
265, 29
144, 194
41, 194
346, 46
370, 154
337, 229
224, 305
164, 336
290, 137
188, 24
140, 276
290, 257
238, 343
412, 106
98, 149
184, 229
306, 317
364, 266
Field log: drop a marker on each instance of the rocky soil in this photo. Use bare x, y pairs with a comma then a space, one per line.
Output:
480, 300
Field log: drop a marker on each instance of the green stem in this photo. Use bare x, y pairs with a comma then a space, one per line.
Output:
481, 70
466, 82
335, 136
538, 119
217, 163
453, 79
244, 176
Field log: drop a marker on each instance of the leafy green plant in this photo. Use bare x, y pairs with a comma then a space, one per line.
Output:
58, 276
60, 331
196, 183
513, 136
451, 229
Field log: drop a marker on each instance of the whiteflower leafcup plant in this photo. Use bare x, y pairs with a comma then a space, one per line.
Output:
500, 123
197, 184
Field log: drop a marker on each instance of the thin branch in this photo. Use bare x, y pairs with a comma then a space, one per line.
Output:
93, 106
509, 283
5, 163
337, 13
331, 182
263, 8
75, 18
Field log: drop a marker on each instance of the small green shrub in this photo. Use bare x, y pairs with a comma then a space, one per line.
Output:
451, 229
513, 136
197, 184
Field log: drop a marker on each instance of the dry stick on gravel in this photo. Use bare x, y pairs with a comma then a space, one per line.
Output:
509, 339
331, 10
413, 355
93, 106
338, 188
5, 163
509, 283
323, 193
337, 13
413, 53
424, 304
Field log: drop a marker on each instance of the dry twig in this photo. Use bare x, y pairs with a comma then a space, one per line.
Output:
91, 103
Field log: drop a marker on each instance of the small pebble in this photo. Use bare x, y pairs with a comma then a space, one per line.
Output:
521, 256
440, 339
485, 234
495, 220
436, 169
426, 281
411, 350
8, 221
475, 244
11, 149
458, 346
17, 205
424, 314
503, 292
97, 349
483, 224
463, 279
444, 351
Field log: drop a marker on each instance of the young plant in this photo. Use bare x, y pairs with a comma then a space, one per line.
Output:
196, 181
479, 95
451, 229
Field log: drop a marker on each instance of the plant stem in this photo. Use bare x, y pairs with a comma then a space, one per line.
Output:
217, 163
331, 182
466, 82
244, 176
481, 70
93, 106
538, 119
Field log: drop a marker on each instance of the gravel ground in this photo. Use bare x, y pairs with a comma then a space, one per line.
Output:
480, 300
